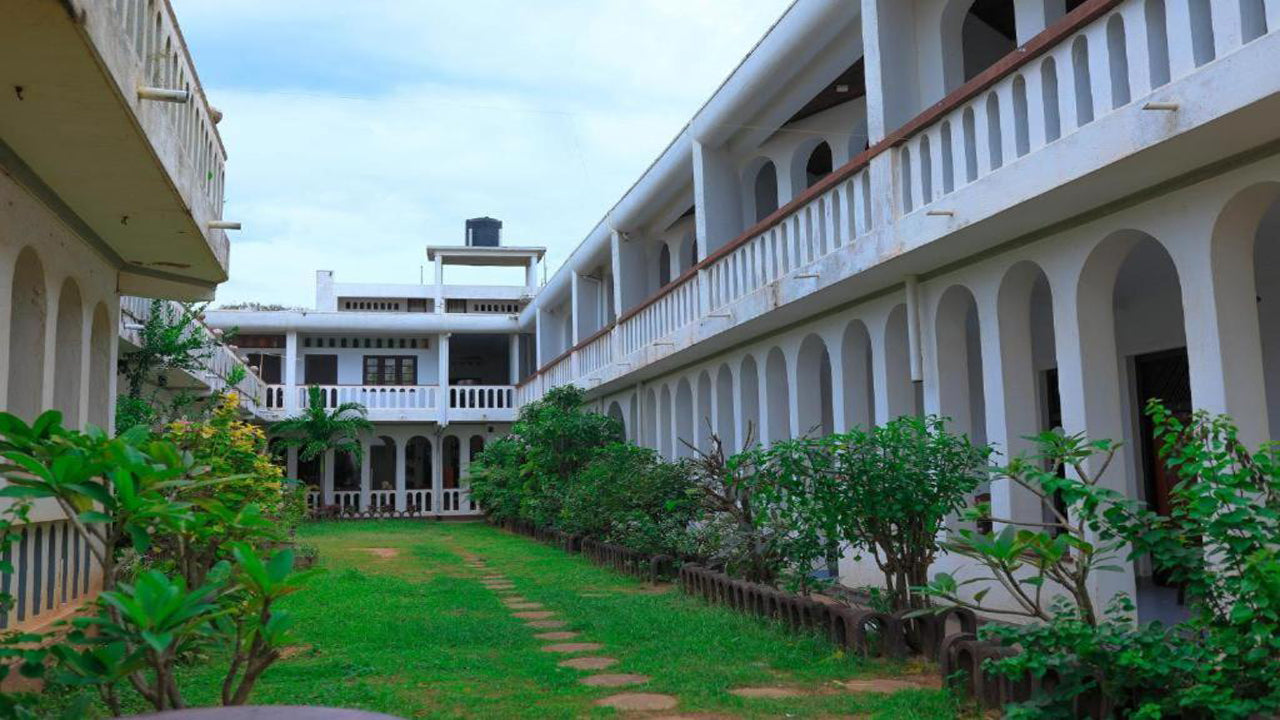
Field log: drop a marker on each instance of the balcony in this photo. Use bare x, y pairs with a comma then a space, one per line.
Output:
405, 403
1104, 104
81, 125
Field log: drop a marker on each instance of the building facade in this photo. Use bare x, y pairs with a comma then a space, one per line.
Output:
111, 184
1018, 214
435, 365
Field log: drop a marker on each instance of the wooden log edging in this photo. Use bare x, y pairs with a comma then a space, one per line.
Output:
948, 638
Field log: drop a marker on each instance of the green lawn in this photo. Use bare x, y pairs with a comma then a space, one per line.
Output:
417, 635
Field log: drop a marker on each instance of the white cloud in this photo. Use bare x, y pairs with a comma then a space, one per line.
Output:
356, 138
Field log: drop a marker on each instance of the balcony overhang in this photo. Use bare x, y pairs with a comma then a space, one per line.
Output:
75, 139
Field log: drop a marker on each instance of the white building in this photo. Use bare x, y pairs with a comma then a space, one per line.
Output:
1020, 214
111, 180
436, 365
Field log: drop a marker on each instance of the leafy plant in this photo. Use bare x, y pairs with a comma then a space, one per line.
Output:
891, 490
172, 338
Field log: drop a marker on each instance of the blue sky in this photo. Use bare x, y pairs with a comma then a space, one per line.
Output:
361, 131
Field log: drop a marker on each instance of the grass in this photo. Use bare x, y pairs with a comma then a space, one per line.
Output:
417, 635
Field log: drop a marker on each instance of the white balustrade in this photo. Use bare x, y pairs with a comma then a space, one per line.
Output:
675, 308
418, 502
1122, 56
456, 502
373, 397
347, 499
482, 397
382, 500
559, 373
596, 354
313, 500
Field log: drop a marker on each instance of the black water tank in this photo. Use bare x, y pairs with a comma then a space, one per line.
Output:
484, 232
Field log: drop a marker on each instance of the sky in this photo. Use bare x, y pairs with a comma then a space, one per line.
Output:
360, 131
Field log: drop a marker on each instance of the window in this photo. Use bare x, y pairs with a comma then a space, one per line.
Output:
390, 370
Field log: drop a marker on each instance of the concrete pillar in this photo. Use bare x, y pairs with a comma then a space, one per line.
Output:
531, 275
1033, 16
291, 462
575, 308
439, 289
513, 357
326, 480
893, 85
366, 472
291, 373
1089, 384
437, 475
717, 195
402, 449
1009, 384
615, 262
443, 356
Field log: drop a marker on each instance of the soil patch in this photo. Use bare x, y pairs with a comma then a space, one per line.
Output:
589, 663
638, 701
618, 680
572, 647
384, 553
295, 650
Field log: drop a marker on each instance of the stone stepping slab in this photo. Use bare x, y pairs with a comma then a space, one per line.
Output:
595, 662
615, 680
767, 692
891, 685
525, 606
572, 647
638, 701
547, 624
534, 615
556, 636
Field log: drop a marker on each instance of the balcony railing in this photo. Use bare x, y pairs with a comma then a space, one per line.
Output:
373, 397
156, 56
481, 397
1093, 62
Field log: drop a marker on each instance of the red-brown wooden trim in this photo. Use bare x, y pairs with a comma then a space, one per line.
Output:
1048, 38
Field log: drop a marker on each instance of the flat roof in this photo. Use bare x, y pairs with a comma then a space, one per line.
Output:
485, 256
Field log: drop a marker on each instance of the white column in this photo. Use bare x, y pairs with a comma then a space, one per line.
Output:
366, 472
439, 289
443, 355
402, 449
513, 352
326, 481
717, 194
1010, 389
531, 275
291, 373
1033, 16
575, 308
437, 475
291, 462
1090, 388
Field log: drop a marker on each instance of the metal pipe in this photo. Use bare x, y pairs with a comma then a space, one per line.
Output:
164, 95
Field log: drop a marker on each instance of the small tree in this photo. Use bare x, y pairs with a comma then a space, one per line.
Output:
893, 488
318, 429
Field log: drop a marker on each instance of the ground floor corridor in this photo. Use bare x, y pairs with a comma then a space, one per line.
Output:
462, 620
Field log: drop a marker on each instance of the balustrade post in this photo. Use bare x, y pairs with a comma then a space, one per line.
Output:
704, 293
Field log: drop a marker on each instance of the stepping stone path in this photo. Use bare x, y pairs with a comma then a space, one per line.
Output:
767, 692
572, 647
589, 663
559, 636
541, 619
638, 702
614, 680
534, 615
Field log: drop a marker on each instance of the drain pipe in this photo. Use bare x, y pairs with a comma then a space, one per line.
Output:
913, 327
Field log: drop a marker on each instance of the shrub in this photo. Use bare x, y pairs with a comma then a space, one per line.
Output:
891, 491
134, 496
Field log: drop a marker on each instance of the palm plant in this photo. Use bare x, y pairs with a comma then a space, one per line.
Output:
319, 429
